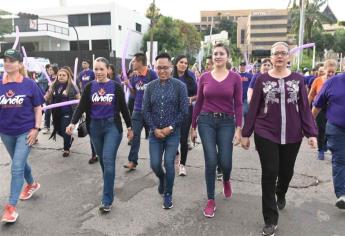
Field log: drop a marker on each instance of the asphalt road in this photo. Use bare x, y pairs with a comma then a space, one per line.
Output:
67, 203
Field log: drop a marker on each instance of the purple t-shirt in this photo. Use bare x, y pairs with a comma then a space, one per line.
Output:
224, 96
246, 78
102, 99
253, 80
85, 77
279, 110
332, 96
17, 102
139, 83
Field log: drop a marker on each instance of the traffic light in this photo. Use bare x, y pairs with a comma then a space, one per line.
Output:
27, 15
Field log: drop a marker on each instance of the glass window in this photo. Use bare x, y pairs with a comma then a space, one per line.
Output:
204, 18
138, 27
120, 27
84, 45
103, 18
78, 20
243, 33
101, 44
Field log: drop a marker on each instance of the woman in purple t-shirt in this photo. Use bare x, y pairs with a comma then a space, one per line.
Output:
62, 90
280, 116
219, 99
103, 100
20, 114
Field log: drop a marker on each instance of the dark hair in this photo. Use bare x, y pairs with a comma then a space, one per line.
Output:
163, 55
48, 66
221, 45
209, 57
55, 69
178, 58
86, 60
104, 60
112, 67
266, 60
141, 57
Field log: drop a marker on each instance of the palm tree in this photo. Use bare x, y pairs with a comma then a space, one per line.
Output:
313, 18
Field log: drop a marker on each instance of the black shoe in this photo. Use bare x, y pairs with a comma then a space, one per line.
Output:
281, 202
167, 201
93, 159
341, 202
269, 230
161, 186
103, 208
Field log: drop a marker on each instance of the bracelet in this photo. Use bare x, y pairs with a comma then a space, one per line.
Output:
38, 129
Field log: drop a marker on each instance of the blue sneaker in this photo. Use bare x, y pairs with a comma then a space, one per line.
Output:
321, 156
167, 201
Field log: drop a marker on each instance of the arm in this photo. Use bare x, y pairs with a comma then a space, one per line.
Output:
307, 121
199, 102
147, 107
183, 105
254, 108
84, 100
249, 94
238, 103
321, 100
120, 95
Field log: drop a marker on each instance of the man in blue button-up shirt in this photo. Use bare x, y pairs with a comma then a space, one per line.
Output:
165, 106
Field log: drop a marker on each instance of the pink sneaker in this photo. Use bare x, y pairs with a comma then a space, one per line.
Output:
29, 190
210, 209
227, 190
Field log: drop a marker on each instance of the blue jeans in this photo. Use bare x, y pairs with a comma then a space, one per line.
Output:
168, 146
137, 124
336, 143
65, 120
20, 169
106, 139
47, 115
216, 132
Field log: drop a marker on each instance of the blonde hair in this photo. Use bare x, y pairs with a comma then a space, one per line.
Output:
330, 63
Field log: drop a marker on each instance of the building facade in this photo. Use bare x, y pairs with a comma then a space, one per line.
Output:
99, 27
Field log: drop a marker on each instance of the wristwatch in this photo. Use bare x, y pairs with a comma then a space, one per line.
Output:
37, 128
171, 128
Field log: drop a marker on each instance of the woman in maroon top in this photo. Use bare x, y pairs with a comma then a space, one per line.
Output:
280, 116
219, 102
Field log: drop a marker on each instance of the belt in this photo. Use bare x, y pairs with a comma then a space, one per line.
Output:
217, 114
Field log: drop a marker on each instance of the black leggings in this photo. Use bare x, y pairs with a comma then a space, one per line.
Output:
277, 162
185, 127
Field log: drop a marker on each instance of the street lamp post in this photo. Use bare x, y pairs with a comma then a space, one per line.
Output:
151, 33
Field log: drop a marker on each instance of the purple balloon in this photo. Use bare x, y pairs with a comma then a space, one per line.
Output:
17, 38
298, 49
123, 59
61, 104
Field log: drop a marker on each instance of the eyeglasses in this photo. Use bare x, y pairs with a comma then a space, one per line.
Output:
282, 53
162, 68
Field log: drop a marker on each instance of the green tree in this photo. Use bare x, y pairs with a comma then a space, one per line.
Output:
5, 24
229, 26
339, 41
313, 18
322, 41
190, 37
181, 38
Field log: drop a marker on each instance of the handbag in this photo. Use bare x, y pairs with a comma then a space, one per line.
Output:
82, 129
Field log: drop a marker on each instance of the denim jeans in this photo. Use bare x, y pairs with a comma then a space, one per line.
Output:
65, 120
168, 146
106, 139
321, 121
216, 132
20, 169
336, 143
137, 124
47, 115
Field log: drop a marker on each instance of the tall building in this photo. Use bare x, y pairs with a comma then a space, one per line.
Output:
257, 29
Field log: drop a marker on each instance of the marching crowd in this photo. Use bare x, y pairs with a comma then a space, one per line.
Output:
175, 105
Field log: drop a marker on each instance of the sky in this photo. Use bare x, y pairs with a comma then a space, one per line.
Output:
187, 10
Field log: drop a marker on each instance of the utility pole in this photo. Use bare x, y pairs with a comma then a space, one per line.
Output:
151, 32
301, 32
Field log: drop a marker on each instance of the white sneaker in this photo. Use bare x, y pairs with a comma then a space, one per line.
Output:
46, 131
341, 202
182, 170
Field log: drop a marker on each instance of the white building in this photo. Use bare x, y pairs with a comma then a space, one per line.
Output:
103, 26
